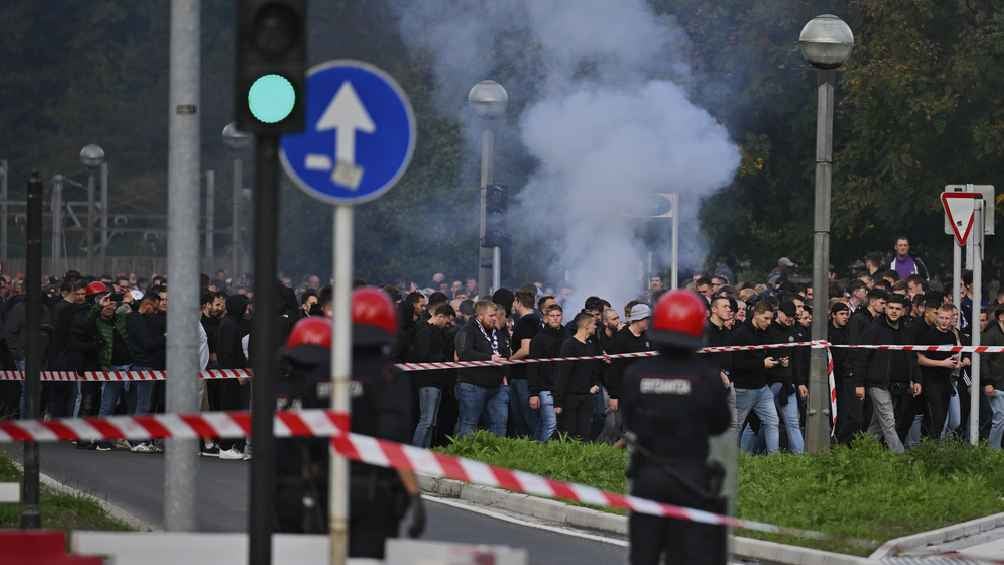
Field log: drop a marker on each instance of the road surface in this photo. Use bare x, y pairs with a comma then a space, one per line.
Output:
135, 482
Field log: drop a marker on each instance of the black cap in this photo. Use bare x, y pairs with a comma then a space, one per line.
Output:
788, 308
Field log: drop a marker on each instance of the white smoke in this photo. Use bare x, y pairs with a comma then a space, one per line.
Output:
604, 114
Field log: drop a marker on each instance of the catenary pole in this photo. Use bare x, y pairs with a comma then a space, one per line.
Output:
183, 259
30, 511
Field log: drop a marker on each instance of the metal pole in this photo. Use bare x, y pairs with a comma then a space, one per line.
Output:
341, 364
675, 244
818, 417
265, 344
496, 268
30, 512
974, 390
57, 223
956, 272
210, 214
235, 222
104, 215
183, 165
89, 229
3, 213
486, 255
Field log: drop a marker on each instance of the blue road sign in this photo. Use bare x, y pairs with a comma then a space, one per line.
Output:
359, 135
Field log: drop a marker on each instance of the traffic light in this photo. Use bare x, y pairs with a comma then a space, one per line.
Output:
496, 206
271, 61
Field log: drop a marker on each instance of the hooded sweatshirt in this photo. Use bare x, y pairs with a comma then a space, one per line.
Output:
229, 351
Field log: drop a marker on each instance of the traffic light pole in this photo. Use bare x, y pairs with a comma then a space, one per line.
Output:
30, 512
264, 347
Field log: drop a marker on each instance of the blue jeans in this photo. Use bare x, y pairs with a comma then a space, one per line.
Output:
997, 420
428, 405
954, 419
522, 416
547, 420
144, 392
474, 399
761, 402
112, 391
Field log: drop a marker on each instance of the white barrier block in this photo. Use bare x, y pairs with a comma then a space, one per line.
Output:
10, 492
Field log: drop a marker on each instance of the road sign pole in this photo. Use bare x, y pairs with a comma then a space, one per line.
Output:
976, 242
264, 347
184, 154
30, 511
341, 379
956, 272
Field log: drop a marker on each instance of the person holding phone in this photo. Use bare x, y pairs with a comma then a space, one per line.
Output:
937, 370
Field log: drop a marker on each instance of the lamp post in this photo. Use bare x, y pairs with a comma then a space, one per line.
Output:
826, 43
489, 100
93, 156
236, 141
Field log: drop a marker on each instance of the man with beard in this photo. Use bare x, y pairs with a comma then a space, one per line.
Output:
522, 421
631, 338
230, 394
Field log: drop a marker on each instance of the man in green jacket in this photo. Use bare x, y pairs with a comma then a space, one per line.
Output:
114, 354
992, 374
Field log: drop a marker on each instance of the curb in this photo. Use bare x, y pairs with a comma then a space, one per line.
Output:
113, 510
941, 536
560, 513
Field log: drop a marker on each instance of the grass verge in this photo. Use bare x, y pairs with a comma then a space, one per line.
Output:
59, 511
863, 491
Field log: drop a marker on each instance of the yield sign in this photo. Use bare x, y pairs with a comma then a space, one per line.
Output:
960, 208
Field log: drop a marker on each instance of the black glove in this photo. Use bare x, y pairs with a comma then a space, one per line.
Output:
417, 527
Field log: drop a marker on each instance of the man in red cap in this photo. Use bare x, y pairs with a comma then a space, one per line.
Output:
672, 404
381, 407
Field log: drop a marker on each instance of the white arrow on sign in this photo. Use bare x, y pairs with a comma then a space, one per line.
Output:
346, 114
960, 208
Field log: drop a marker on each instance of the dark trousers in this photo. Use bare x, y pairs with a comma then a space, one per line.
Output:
850, 413
231, 396
937, 393
60, 398
576, 415
686, 543
380, 505
90, 398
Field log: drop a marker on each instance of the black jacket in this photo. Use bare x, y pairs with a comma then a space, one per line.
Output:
147, 339
576, 377
748, 371
719, 337
801, 357
229, 351
782, 334
545, 345
881, 368
477, 347
430, 346
623, 342
843, 367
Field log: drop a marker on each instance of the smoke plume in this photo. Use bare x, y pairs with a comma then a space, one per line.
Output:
599, 101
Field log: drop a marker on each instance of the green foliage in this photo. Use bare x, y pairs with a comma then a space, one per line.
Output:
59, 511
863, 492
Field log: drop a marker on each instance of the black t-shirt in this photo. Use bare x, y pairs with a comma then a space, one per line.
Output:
935, 337
526, 328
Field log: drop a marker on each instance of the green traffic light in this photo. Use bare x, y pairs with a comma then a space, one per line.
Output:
271, 98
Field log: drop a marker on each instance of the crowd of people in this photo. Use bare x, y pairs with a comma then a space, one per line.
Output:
117, 323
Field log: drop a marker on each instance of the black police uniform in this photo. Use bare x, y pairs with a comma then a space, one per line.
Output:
673, 404
381, 407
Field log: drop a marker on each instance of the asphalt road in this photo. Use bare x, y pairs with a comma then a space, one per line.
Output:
135, 483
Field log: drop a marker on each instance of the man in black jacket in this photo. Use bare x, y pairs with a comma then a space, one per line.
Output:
577, 380
718, 333
629, 339
850, 388
229, 394
430, 346
541, 377
482, 389
751, 373
889, 375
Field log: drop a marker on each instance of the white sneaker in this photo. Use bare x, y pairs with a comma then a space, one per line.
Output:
231, 454
142, 448
247, 453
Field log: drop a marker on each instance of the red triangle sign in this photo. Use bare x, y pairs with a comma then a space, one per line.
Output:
961, 209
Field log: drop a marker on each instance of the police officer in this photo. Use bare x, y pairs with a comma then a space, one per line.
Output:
672, 404
381, 407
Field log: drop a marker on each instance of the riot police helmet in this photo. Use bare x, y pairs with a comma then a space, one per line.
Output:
678, 320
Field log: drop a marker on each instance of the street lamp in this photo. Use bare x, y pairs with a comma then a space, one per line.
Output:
236, 141
93, 156
826, 43
489, 100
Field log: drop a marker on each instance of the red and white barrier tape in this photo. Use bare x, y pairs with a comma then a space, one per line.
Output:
114, 376
384, 453
929, 348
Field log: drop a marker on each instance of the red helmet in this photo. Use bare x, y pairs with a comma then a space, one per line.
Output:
374, 318
309, 342
95, 287
678, 320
